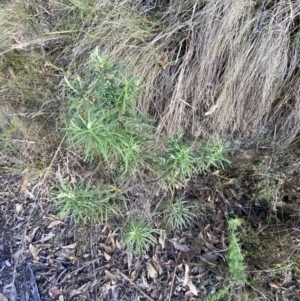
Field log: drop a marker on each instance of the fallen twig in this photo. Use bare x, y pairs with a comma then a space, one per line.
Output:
140, 290
172, 285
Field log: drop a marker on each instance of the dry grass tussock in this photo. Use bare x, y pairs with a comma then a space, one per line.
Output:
227, 68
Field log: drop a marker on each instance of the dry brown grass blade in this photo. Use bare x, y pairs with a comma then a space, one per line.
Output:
24, 45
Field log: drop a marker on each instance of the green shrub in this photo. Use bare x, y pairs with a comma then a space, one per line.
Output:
103, 118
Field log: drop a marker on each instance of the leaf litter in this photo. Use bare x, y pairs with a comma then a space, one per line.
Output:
51, 259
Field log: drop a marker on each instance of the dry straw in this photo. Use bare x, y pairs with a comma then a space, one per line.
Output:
210, 67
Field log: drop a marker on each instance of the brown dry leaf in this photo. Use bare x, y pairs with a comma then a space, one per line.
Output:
212, 238
34, 252
106, 248
111, 239
3, 298
75, 293
211, 110
54, 223
46, 237
187, 234
230, 182
210, 257
209, 246
233, 192
107, 257
192, 253
178, 246
120, 245
237, 204
72, 246
65, 253
28, 193
273, 285
208, 226
24, 185
85, 287
162, 238
192, 287
19, 208
187, 281
133, 275
110, 275
186, 274
221, 226
54, 290
157, 265
151, 271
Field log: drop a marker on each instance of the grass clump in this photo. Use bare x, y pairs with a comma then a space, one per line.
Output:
181, 160
12, 128
179, 214
86, 205
138, 234
214, 155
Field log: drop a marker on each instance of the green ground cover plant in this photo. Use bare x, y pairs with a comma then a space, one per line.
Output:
7, 134
235, 256
219, 295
